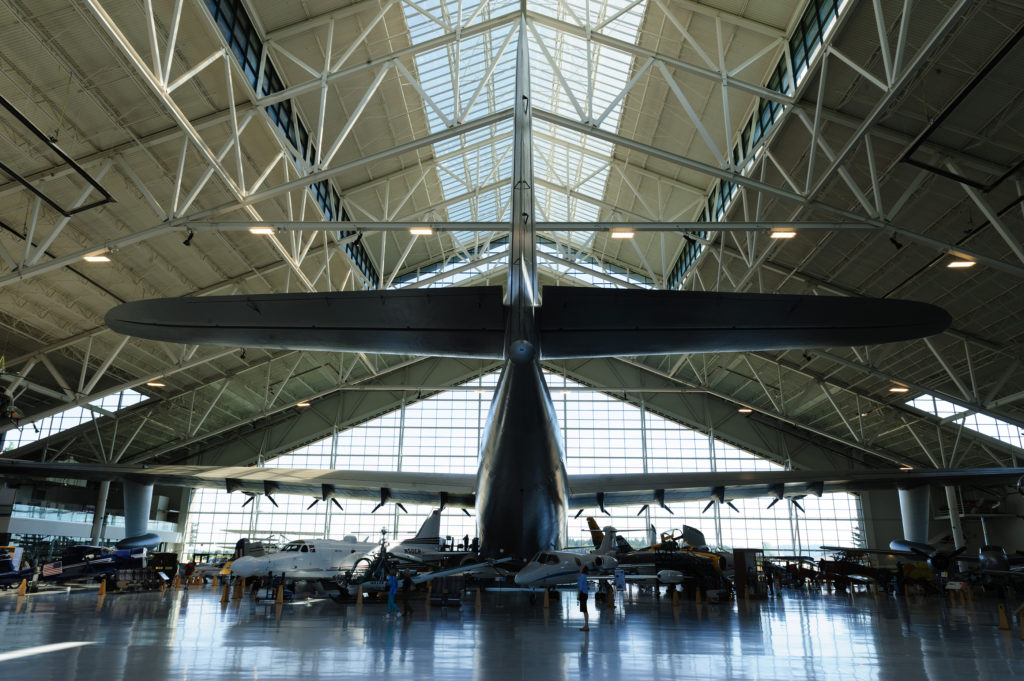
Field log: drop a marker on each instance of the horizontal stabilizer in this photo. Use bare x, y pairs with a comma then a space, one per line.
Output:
594, 322
453, 322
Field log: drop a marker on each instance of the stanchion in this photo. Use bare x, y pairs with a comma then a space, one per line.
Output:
23, 587
970, 597
1004, 622
698, 596
225, 596
359, 597
214, 582
675, 598
177, 580
546, 598
280, 594
430, 588
478, 600
103, 587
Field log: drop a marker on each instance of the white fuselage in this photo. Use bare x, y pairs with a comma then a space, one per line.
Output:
552, 568
311, 559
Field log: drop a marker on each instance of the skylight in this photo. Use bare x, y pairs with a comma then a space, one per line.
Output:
476, 76
980, 423
71, 418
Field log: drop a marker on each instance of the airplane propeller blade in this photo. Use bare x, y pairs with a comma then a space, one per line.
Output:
642, 509
578, 513
315, 502
377, 507
774, 501
401, 507
798, 506
337, 503
958, 552
710, 504
732, 506
272, 501
466, 511
248, 501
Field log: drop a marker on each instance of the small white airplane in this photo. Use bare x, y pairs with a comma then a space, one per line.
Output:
305, 559
552, 568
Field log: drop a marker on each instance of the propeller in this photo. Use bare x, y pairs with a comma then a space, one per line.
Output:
385, 496
600, 502
326, 492
718, 496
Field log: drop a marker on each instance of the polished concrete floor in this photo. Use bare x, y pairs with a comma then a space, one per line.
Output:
191, 635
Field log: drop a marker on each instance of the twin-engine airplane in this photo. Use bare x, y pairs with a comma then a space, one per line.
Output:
521, 491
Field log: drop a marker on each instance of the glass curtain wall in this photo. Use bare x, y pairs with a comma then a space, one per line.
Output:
602, 434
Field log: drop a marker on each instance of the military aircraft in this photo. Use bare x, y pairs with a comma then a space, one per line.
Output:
521, 491
77, 562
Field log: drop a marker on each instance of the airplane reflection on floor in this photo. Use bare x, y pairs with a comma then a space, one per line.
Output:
191, 635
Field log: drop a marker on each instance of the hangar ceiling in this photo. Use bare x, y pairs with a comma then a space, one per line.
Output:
904, 125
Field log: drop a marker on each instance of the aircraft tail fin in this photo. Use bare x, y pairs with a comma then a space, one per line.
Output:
247, 547
431, 527
652, 536
608, 543
596, 535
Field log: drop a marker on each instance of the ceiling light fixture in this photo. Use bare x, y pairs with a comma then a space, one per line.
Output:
98, 256
622, 233
302, 404
783, 234
906, 468
899, 389
421, 231
156, 384
745, 410
960, 264
266, 231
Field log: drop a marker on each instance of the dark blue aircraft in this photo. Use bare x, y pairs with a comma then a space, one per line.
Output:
77, 562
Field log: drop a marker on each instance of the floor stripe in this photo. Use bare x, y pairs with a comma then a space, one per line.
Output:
39, 650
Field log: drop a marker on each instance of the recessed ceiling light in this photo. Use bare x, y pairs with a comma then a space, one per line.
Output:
906, 468
302, 404
898, 389
96, 257
783, 234
960, 264
622, 234
156, 384
421, 231
745, 410
261, 230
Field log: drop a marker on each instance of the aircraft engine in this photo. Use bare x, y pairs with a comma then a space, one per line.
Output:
670, 576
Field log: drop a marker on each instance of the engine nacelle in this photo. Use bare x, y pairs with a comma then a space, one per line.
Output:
670, 576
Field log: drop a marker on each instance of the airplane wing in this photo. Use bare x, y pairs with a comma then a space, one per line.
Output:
445, 489
598, 491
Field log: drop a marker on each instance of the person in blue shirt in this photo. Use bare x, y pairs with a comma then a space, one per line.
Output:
392, 584
584, 591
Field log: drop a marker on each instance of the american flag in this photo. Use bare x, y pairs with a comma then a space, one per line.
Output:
51, 569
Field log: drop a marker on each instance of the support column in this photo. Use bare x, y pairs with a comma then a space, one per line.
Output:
137, 500
954, 517
914, 507
100, 512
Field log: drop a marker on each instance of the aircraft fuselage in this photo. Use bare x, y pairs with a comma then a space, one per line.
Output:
521, 484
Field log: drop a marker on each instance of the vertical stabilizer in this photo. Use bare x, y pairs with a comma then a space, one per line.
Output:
431, 527
608, 543
596, 535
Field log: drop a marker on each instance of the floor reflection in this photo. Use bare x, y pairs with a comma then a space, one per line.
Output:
191, 634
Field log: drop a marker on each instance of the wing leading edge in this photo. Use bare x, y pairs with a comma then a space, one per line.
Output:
598, 491
445, 489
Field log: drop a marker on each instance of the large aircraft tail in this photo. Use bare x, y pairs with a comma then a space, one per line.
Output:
248, 547
431, 527
608, 543
596, 535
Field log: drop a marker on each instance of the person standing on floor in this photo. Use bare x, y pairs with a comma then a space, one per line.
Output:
584, 591
392, 585
406, 592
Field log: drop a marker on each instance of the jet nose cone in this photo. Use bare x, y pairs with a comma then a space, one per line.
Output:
525, 576
245, 566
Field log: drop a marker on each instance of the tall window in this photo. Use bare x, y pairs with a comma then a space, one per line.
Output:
602, 435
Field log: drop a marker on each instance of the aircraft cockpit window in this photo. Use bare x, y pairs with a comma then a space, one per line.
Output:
547, 559
291, 547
